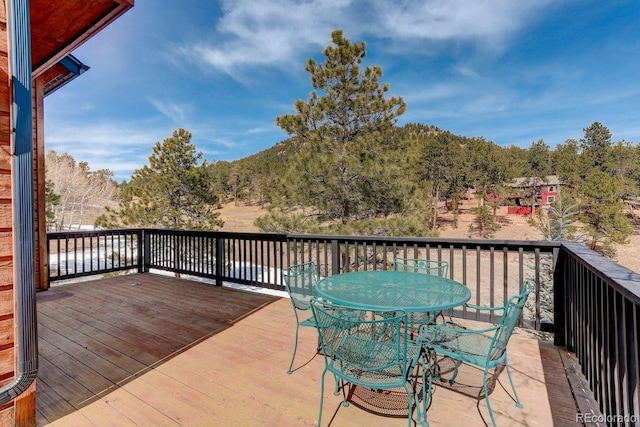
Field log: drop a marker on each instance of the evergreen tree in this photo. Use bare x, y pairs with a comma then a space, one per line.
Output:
485, 167
516, 161
173, 191
626, 167
51, 201
596, 148
343, 169
558, 222
567, 163
603, 212
539, 159
601, 192
435, 162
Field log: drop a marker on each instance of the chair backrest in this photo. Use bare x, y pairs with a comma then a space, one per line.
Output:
433, 267
363, 347
300, 281
508, 322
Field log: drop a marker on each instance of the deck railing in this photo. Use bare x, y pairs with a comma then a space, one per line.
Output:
597, 314
591, 304
75, 254
492, 269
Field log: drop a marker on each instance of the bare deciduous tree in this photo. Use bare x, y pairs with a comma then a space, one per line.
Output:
83, 194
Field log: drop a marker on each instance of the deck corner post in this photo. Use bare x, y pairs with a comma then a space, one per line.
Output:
560, 278
146, 251
141, 250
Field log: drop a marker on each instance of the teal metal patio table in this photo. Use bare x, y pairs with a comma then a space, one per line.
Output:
394, 290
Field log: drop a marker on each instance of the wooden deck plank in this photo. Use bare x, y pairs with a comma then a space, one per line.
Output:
99, 362
89, 342
119, 343
173, 308
68, 389
208, 356
51, 405
138, 411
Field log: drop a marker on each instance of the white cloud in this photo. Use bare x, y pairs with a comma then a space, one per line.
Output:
117, 146
179, 113
480, 20
264, 32
267, 32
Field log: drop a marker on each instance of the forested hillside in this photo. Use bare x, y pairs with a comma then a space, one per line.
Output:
424, 169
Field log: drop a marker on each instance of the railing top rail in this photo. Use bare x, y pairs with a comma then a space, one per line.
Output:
93, 232
545, 246
621, 278
227, 234
448, 242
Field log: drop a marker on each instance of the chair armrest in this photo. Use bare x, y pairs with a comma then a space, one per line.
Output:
449, 330
482, 307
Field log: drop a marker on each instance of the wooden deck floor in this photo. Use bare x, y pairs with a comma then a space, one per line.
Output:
151, 350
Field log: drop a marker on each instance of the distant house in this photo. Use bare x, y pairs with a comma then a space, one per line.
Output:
530, 193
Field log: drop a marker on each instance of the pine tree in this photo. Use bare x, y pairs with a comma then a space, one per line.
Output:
343, 170
601, 191
173, 191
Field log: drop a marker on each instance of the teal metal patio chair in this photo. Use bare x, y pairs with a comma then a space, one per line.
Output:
483, 348
300, 281
422, 266
368, 349
434, 267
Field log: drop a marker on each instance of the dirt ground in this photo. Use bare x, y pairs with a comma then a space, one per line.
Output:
513, 227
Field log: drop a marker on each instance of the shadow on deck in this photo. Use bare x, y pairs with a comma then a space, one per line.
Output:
152, 350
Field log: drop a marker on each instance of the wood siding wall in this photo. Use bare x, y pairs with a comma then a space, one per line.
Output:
39, 185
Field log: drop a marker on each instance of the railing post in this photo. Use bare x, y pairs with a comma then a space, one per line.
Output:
559, 299
141, 251
219, 260
335, 257
146, 239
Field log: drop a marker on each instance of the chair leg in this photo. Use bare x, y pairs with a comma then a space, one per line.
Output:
486, 397
455, 372
345, 401
336, 390
513, 387
427, 384
321, 397
410, 395
295, 348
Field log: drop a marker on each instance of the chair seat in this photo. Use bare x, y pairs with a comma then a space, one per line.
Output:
377, 364
449, 341
423, 318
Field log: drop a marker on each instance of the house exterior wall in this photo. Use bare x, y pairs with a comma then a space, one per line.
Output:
549, 194
42, 262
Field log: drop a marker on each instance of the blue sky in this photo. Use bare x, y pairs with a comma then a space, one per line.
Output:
512, 71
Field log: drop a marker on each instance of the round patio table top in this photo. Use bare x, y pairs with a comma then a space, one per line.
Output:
393, 290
